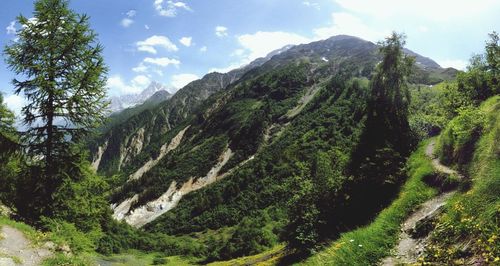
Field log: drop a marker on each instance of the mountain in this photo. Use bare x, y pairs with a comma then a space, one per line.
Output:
217, 125
119, 103
139, 132
228, 148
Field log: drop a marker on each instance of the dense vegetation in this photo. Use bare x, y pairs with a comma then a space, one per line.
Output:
468, 230
367, 245
470, 142
316, 132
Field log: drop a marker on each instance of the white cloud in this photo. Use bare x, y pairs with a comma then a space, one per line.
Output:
345, 23
149, 49
258, 45
154, 64
15, 103
161, 61
221, 31
455, 63
423, 28
203, 49
140, 68
141, 81
238, 52
170, 8
312, 4
186, 41
149, 45
261, 43
131, 13
226, 69
421, 9
126, 22
11, 29
181, 80
117, 86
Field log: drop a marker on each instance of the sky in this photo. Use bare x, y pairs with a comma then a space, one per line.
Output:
176, 41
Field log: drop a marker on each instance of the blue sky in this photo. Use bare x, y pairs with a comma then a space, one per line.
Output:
176, 41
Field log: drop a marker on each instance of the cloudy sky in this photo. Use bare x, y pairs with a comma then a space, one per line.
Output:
175, 42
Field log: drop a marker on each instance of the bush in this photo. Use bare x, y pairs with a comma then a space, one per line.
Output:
456, 143
66, 234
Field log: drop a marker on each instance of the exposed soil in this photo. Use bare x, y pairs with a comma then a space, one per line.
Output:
15, 246
409, 248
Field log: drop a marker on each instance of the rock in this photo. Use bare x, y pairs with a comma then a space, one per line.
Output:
425, 225
49, 245
7, 262
64, 249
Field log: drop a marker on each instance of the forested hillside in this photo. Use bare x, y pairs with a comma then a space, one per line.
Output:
319, 154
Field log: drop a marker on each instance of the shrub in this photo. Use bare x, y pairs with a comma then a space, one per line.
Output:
66, 234
456, 143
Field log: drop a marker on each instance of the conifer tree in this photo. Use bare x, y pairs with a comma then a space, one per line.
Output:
61, 72
386, 135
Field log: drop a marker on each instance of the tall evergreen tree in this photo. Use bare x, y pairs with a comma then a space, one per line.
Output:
386, 127
64, 78
378, 159
61, 72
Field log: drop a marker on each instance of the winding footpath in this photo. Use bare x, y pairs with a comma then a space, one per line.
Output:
408, 248
16, 249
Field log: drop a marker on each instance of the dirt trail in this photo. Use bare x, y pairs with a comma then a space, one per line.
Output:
409, 249
14, 245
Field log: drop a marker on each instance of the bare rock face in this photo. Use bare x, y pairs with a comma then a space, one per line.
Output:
164, 150
426, 224
154, 209
96, 161
133, 147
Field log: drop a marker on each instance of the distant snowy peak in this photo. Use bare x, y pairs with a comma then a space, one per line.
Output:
119, 103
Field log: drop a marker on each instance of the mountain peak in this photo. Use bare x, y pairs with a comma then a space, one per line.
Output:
118, 103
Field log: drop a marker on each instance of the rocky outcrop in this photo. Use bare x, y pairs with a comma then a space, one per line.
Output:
98, 156
164, 150
304, 100
132, 148
154, 209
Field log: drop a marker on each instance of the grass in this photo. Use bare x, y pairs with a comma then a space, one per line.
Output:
367, 245
134, 257
268, 257
470, 227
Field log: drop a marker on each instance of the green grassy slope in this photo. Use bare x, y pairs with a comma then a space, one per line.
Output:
470, 228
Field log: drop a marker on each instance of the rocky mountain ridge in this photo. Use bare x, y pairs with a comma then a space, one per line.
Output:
160, 91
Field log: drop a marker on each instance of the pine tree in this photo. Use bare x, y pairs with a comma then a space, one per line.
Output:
61, 73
